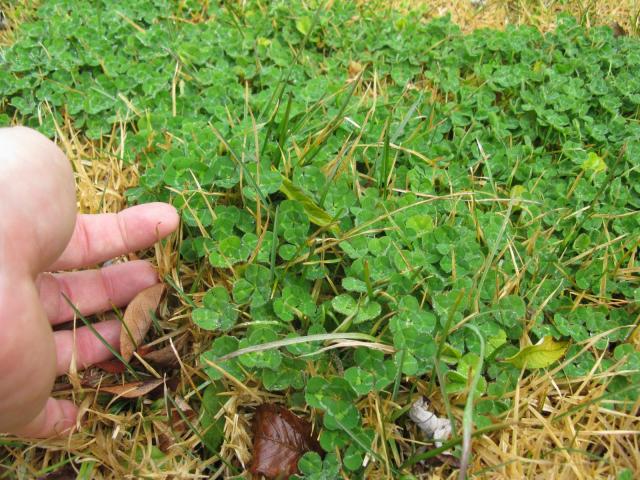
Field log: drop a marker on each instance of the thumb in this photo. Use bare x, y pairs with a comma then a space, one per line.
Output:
56, 418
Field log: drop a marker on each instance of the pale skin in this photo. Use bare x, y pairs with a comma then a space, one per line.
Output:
41, 236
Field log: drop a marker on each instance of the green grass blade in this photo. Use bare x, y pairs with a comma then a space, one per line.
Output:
467, 418
107, 345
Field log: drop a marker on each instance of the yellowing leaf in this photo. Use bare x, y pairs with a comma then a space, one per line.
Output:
517, 193
594, 163
540, 355
316, 214
137, 319
264, 42
303, 25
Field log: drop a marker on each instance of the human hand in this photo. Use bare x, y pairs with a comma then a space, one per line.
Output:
41, 232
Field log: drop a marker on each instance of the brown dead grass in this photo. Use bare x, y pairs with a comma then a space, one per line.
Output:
563, 429
557, 429
539, 13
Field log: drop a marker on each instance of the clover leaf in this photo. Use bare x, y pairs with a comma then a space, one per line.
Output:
295, 301
293, 222
222, 346
254, 287
289, 374
232, 250
270, 359
362, 310
313, 467
217, 312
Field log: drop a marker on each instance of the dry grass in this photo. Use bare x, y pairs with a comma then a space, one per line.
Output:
539, 13
556, 429
15, 13
562, 430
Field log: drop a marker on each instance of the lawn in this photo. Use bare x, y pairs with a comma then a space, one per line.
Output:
378, 205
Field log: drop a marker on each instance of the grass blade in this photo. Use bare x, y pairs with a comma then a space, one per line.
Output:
108, 346
467, 418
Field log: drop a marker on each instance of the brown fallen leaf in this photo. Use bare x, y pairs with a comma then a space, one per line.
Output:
91, 378
137, 319
143, 350
133, 389
618, 30
165, 356
280, 438
112, 366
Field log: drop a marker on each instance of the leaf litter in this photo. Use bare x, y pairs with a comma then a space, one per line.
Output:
133, 389
137, 319
280, 439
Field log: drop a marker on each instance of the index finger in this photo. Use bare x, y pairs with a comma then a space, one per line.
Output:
97, 238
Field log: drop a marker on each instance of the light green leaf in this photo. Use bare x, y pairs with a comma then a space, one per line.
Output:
352, 284
594, 163
420, 224
316, 214
303, 25
221, 346
540, 355
496, 341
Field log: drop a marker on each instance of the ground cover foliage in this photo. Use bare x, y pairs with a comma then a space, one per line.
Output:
436, 202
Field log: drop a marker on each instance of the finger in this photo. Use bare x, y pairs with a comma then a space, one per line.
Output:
93, 291
38, 204
83, 347
56, 418
97, 238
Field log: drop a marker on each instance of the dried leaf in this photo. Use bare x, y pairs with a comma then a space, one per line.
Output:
618, 30
172, 383
280, 438
165, 438
163, 357
137, 319
144, 350
91, 378
540, 355
446, 459
179, 413
112, 366
133, 389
